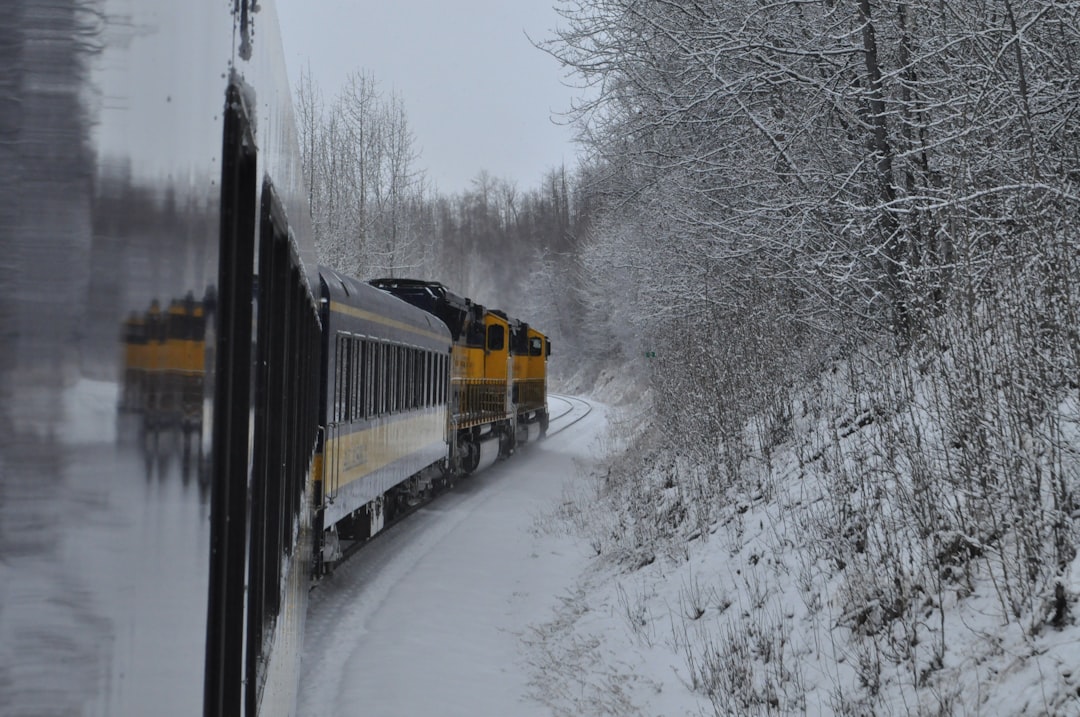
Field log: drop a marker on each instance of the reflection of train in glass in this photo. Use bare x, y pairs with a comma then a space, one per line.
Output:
165, 364
149, 150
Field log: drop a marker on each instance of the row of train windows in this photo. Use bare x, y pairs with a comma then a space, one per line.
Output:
376, 378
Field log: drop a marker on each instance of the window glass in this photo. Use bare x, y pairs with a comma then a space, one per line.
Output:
368, 373
377, 380
339, 378
388, 376
496, 337
428, 383
357, 394
417, 375
444, 379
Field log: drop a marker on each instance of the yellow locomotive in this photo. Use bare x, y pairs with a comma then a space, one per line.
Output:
498, 373
530, 350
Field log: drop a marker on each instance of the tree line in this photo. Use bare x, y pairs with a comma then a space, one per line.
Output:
375, 213
889, 188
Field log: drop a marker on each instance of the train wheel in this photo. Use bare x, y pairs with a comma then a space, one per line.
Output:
469, 450
507, 440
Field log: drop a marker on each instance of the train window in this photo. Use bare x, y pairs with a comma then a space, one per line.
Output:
399, 392
393, 382
388, 379
399, 389
372, 372
350, 381
519, 339
421, 378
361, 348
391, 376
429, 384
410, 366
404, 383
536, 346
338, 351
361, 394
351, 397
406, 378
350, 387
474, 334
365, 378
354, 379
422, 374
440, 389
343, 378
417, 375
340, 359
496, 337
379, 369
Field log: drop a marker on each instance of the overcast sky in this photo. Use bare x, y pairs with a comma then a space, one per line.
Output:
478, 95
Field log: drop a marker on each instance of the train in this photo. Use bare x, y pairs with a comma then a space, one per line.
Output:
417, 385
197, 420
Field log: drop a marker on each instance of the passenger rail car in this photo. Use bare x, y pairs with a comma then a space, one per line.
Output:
383, 402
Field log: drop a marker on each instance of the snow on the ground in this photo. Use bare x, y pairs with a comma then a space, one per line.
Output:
434, 617
487, 603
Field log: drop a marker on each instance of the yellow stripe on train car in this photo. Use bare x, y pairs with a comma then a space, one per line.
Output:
351, 456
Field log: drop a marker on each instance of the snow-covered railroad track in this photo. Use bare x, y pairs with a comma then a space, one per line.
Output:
576, 410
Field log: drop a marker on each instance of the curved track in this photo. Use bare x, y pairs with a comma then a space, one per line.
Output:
574, 410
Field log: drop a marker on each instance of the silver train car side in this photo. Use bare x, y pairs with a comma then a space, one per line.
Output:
159, 361
384, 400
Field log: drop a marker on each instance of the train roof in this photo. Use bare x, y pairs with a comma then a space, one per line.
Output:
346, 290
434, 298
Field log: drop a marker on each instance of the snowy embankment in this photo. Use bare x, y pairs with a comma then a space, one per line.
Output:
844, 567
599, 574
